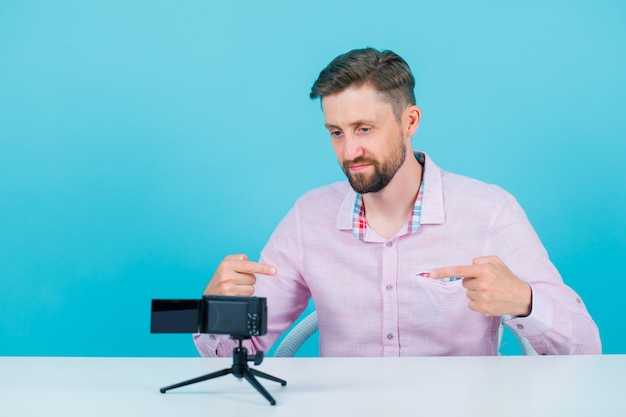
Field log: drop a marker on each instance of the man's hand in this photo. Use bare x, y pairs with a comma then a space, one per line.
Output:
235, 276
492, 288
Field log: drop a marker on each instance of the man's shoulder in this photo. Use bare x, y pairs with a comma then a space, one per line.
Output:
320, 205
329, 195
473, 189
453, 185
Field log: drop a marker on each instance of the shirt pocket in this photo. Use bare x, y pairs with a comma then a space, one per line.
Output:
446, 284
439, 302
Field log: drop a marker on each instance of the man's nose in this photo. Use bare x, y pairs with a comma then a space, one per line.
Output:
352, 148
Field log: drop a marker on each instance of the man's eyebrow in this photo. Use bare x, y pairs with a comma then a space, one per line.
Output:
355, 123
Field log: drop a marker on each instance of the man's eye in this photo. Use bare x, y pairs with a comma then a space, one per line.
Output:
365, 129
335, 133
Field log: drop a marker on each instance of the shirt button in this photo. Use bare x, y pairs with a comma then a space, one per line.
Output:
578, 300
212, 337
520, 326
389, 287
389, 244
389, 336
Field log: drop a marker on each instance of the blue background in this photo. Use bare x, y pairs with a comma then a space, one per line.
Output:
142, 141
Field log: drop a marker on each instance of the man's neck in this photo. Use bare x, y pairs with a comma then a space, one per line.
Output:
389, 209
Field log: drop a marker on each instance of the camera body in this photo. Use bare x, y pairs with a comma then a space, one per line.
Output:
240, 317
237, 316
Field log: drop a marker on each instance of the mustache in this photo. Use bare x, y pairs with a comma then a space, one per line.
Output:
358, 161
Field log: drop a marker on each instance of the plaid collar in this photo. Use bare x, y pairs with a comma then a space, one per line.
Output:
359, 223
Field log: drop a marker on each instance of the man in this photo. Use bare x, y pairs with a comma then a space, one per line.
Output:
403, 258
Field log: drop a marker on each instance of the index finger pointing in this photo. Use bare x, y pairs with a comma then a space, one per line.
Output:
453, 271
249, 267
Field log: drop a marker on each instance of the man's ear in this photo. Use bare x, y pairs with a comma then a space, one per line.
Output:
412, 116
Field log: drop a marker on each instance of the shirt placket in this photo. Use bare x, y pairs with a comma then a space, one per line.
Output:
390, 340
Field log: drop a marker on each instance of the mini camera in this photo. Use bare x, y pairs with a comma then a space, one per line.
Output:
239, 317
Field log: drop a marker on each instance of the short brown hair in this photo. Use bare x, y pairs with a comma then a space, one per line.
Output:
384, 70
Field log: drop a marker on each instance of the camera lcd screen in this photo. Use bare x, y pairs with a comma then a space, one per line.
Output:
175, 316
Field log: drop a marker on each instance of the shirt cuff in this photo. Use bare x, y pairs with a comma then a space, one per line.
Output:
537, 323
207, 344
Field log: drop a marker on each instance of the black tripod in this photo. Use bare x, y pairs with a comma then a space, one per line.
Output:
240, 369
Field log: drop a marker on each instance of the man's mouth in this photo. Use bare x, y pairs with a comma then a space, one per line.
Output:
358, 167
358, 164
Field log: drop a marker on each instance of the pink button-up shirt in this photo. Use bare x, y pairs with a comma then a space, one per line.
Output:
372, 297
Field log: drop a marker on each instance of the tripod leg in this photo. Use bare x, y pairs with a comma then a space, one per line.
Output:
198, 379
252, 380
268, 376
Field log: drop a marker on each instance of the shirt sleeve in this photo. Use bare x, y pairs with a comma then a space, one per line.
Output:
286, 293
208, 344
559, 322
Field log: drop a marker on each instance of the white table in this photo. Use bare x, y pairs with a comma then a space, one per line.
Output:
322, 387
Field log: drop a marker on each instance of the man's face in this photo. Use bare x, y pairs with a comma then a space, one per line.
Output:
366, 136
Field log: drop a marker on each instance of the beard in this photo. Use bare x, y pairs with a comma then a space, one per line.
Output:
383, 171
